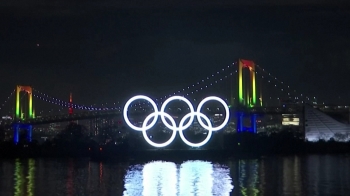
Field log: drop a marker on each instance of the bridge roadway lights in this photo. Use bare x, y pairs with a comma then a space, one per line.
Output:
241, 128
16, 129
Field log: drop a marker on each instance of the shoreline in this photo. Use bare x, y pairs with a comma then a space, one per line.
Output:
124, 154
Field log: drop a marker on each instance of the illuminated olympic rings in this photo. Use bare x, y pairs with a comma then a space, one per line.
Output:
172, 126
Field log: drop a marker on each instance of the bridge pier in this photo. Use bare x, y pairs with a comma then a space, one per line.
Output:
241, 128
253, 123
29, 133
239, 123
16, 130
16, 133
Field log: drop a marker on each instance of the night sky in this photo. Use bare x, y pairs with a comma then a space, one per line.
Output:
103, 51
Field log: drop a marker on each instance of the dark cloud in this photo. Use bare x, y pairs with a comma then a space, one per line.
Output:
78, 7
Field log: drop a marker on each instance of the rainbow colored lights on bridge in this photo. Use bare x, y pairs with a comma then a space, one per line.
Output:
206, 82
28, 90
250, 87
249, 75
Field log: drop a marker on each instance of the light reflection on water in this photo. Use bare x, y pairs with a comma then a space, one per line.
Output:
248, 177
291, 175
24, 183
188, 178
162, 175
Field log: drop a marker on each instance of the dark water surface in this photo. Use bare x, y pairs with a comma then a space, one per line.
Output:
292, 175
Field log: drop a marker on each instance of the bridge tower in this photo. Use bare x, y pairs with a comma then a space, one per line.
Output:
29, 91
247, 94
19, 115
246, 89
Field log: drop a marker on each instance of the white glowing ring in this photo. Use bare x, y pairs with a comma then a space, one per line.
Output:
162, 112
227, 112
144, 129
210, 130
125, 112
173, 126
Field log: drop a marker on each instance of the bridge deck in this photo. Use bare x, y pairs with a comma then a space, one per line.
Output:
111, 113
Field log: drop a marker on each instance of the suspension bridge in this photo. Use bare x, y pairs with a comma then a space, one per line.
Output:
249, 90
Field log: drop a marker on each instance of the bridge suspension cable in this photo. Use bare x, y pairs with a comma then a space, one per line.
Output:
66, 104
52, 100
283, 86
209, 81
205, 83
191, 89
7, 99
213, 83
55, 101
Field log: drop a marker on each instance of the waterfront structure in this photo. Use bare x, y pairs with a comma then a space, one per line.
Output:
249, 105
